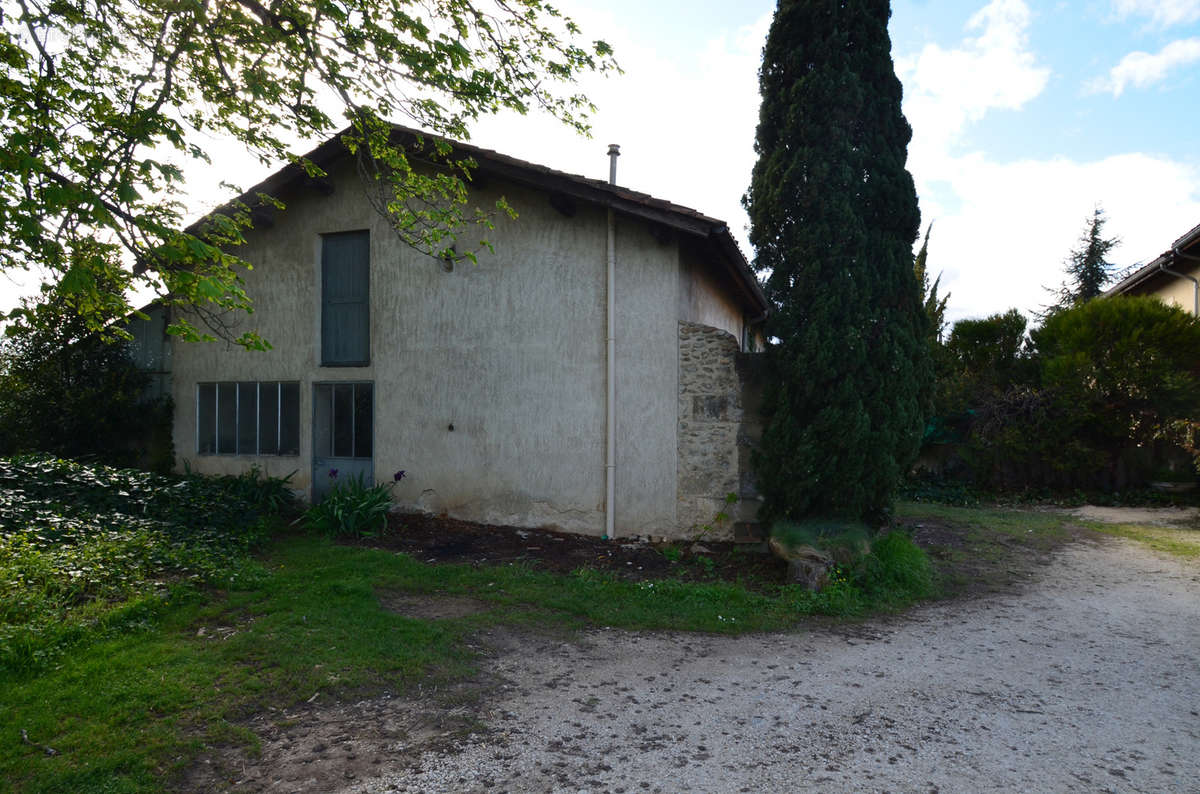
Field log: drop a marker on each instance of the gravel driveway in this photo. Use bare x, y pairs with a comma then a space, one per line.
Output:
1086, 680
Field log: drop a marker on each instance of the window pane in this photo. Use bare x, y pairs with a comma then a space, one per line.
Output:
206, 418
345, 298
289, 427
362, 420
343, 420
247, 433
322, 420
227, 418
268, 418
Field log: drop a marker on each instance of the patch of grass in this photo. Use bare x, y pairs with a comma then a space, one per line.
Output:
1178, 541
127, 712
843, 539
1041, 529
89, 551
983, 550
138, 630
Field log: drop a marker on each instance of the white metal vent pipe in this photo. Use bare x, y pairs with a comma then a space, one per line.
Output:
610, 418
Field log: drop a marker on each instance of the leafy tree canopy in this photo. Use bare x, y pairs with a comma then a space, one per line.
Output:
989, 351
1133, 361
65, 390
105, 99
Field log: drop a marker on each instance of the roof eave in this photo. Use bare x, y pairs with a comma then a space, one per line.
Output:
615, 197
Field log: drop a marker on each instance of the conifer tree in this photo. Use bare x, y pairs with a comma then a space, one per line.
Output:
935, 305
834, 216
1088, 268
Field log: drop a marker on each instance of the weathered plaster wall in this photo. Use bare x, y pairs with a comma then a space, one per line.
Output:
705, 294
510, 352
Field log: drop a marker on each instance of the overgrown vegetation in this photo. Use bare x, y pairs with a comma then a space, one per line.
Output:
840, 538
89, 550
71, 392
352, 508
1101, 398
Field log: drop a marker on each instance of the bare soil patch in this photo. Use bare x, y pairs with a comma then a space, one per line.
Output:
432, 607
440, 539
324, 745
1154, 516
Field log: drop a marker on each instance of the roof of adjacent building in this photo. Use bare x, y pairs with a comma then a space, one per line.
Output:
571, 186
1166, 259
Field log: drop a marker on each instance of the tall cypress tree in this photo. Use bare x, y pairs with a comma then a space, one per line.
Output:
834, 216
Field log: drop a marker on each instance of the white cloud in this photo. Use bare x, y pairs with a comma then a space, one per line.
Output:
946, 89
1003, 228
1141, 69
1016, 221
685, 123
1163, 13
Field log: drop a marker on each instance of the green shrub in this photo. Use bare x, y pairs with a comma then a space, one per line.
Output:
352, 509
269, 495
842, 539
897, 572
1102, 396
84, 548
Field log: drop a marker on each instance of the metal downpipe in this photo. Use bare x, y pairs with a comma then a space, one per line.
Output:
610, 417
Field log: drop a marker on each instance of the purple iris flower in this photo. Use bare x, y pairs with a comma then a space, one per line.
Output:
398, 476
333, 474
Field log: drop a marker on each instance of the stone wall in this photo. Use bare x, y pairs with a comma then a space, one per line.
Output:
716, 432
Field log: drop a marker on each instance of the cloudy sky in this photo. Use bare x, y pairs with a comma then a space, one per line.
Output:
1025, 116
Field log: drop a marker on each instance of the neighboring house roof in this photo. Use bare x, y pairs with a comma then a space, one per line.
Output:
1153, 270
571, 186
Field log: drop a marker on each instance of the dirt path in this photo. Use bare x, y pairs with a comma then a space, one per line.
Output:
1089, 680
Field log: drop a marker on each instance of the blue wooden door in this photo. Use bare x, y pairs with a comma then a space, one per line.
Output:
343, 434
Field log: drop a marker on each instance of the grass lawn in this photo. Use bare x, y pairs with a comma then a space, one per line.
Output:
137, 630
126, 713
154, 660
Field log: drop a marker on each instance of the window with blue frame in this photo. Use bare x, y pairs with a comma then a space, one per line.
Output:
345, 299
248, 418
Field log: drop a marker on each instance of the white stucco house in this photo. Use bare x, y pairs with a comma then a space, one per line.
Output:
1173, 276
488, 384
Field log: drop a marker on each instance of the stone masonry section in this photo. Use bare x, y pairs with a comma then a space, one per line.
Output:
713, 434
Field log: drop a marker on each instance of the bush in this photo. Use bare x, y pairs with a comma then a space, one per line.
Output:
352, 509
896, 572
89, 549
841, 539
1106, 388
69, 391
888, 571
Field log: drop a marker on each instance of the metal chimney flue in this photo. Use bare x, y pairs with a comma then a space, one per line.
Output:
614, 151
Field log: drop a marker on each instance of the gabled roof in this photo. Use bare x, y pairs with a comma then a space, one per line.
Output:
580, 188
1152, 269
